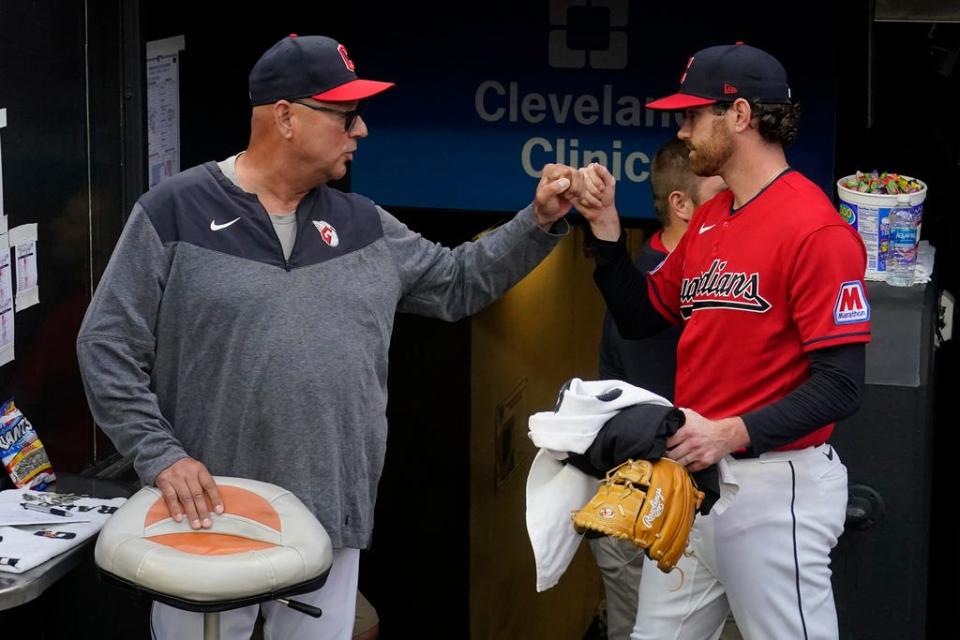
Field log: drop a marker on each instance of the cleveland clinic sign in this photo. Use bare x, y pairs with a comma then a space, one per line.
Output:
499, 133
473, 132
495, 102
481, 106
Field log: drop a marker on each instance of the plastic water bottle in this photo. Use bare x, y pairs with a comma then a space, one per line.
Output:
902, 252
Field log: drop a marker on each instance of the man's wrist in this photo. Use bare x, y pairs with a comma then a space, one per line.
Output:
552, 226
607, 229
545, 224
737, 436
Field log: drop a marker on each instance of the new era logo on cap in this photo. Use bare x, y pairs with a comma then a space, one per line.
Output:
309, 67
725, 73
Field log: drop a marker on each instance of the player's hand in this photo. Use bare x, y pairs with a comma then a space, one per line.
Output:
598, 203
560, 186
189, 489
700, 443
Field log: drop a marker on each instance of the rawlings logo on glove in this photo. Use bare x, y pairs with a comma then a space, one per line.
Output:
658, 524
655, 510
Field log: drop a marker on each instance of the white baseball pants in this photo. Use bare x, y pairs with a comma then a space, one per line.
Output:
766, 556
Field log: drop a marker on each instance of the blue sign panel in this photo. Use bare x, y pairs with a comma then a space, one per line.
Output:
481, 106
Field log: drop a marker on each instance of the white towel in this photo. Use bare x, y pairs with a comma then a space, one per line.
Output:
23, 548
555, 490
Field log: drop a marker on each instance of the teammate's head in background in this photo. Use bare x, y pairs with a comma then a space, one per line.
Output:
678, 191
734, 97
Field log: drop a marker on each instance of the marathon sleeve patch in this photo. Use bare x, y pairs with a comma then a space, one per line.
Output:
828, 299
852, 306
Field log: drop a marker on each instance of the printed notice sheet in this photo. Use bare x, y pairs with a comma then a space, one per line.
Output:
6, 286
23, 241
163, 108
6, 303
3, 214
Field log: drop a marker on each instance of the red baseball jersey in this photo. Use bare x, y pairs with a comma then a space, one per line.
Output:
757, 289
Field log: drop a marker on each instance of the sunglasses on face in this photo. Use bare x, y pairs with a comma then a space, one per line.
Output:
349, 117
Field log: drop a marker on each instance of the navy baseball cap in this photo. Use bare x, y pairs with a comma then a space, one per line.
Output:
308, 67
725, 73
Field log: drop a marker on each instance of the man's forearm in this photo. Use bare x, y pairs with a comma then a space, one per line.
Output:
624, 288
832, 392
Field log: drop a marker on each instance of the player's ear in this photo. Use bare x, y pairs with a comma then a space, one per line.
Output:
681, 205
283, 118
743, 114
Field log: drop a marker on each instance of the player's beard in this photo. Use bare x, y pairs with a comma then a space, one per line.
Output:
709, 156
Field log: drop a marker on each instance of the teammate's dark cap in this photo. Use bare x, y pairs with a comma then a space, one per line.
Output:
725, 73
308, 67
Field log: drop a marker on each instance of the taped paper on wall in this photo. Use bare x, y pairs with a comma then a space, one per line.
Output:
163, 108
23, 240
6, 303
3, 214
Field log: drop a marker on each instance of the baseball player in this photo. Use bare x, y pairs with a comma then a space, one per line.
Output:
767, 283
649, 364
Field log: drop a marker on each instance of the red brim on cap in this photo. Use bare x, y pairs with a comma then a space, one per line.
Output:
353, 90
678, 102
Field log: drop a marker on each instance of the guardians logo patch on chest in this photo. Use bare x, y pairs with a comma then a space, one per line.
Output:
717, 289
327, 232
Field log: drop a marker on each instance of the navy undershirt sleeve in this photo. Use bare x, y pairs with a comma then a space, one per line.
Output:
624, 288
832, 392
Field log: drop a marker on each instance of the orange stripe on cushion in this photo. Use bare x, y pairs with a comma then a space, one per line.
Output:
237, 501
157, 513
209, 544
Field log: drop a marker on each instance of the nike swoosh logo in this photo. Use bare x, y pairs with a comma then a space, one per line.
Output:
216, 227
829, 454
704, 228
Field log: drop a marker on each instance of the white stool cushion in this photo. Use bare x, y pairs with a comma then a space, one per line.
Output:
266, 540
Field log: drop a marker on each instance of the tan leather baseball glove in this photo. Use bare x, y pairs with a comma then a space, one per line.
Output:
652, 504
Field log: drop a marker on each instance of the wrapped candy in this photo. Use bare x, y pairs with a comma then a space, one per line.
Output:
883, 183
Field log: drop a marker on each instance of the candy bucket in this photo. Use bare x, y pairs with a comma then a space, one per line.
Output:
868, 213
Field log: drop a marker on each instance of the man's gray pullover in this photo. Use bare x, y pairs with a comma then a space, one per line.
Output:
202, 340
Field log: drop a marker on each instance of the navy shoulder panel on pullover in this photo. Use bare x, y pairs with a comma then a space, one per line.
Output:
203, 207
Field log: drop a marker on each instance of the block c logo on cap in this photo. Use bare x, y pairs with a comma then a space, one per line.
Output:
346, 58
851, 306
